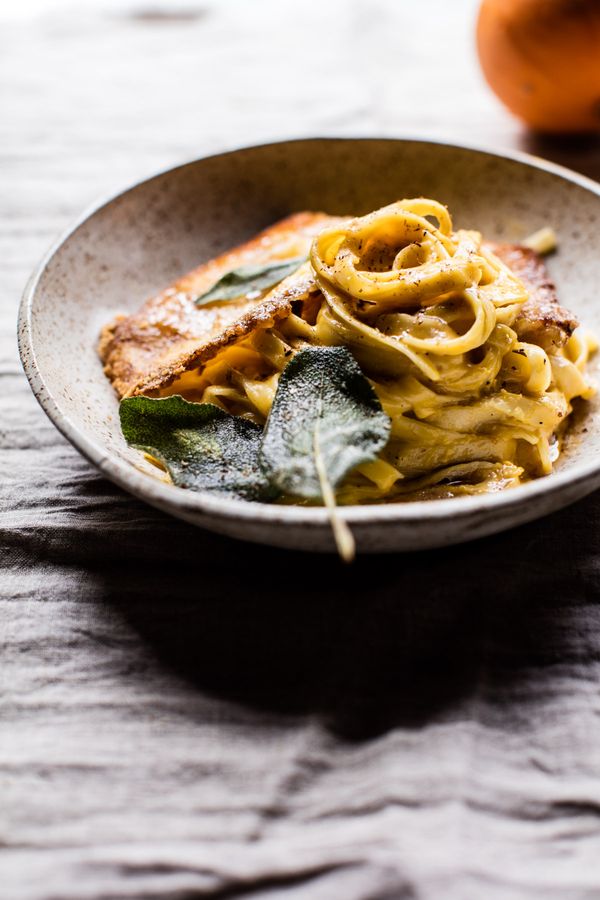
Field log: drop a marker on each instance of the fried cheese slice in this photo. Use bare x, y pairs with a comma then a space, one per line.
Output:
145, 352
541, 320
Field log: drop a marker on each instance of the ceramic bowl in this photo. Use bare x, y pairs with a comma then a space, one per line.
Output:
135, 243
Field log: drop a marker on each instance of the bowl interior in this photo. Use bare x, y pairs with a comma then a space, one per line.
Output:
138, 242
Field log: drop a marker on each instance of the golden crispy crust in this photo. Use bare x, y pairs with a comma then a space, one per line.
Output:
542, 320
170, 334
193, 353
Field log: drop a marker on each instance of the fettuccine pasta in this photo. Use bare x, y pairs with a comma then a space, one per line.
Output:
432, 317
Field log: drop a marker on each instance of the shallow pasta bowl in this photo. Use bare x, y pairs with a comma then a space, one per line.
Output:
137, 242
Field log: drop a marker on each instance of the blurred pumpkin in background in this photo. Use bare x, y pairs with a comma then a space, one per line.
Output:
542, 58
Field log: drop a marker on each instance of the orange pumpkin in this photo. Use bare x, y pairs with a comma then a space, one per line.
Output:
542, 58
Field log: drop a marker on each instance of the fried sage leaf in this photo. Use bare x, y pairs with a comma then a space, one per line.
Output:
250, 279
202, 446
321, 392
325, 420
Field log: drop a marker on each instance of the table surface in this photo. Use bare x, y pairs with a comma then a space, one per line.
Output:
182, 716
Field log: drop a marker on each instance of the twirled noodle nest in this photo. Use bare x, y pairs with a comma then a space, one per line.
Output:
430, 315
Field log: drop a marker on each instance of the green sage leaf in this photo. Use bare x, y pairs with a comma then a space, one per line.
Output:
201, 445
250, 279
325, 417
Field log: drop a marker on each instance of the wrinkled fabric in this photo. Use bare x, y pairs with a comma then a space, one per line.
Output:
182, 713
186, 716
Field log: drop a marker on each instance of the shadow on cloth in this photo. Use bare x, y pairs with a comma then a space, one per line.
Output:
579, 152
392, 640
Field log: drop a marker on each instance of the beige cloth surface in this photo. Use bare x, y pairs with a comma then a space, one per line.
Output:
182, 716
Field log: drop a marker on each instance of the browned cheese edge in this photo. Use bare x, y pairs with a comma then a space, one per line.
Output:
541, 320
128, 339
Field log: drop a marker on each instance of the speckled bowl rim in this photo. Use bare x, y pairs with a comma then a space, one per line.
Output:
167, 497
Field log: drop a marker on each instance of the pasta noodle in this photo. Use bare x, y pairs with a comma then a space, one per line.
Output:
430, 315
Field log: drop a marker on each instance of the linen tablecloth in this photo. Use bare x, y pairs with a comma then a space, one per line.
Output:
186, 716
